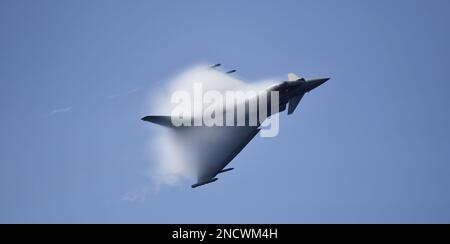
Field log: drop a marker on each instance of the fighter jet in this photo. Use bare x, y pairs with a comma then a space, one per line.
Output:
217, 146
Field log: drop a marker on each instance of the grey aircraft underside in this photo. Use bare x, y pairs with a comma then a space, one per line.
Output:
216, 146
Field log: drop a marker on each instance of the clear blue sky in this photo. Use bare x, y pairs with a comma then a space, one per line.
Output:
371, 145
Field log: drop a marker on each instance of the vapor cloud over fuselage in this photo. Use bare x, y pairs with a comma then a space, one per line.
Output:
204, 91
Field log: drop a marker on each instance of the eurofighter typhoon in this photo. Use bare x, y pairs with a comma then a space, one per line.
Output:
216, 138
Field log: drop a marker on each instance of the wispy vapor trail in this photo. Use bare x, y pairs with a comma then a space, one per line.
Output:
60, 110
133, 90
112, 96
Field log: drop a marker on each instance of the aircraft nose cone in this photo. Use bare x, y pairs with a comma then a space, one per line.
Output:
311, 84
321, 81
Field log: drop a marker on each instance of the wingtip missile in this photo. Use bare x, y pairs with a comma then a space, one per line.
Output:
204, 182
214, 66
231, 71
225, 170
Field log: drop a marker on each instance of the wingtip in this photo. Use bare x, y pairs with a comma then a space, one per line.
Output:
204, 183
215, 66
